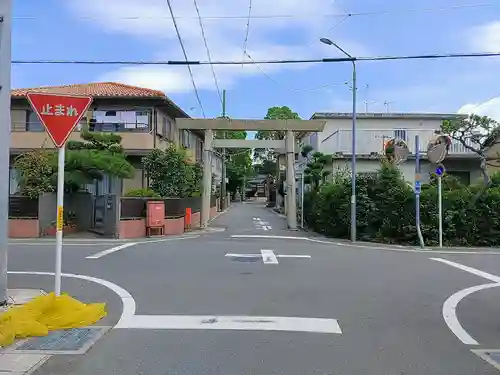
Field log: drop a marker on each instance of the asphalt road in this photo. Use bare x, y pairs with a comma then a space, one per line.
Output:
388, 304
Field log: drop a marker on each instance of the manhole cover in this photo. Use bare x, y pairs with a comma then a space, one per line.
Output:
492, 356
71, 341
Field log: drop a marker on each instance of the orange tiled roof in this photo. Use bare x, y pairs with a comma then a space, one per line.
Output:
98, 89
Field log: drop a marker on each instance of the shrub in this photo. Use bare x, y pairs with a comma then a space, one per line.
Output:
386, 210
144, 192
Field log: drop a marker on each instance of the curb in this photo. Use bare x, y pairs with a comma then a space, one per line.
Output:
220, 213
276, 213
396, 248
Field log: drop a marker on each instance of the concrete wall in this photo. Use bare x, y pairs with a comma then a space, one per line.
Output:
79, 203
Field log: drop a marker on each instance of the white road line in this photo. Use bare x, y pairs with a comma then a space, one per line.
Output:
266, 236
128, 302
103, 253
293, 256
450, 305
269, 257
232, 255
450, 312
474, 271
169, 239
247, 323
129, 244
128, 319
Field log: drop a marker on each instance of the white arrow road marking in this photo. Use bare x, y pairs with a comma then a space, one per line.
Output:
246, 323
450, 305
269, 257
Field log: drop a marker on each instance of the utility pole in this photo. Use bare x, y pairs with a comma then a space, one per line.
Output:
5, 85
223, 192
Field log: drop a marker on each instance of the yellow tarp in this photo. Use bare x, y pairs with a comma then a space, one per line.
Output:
47, 313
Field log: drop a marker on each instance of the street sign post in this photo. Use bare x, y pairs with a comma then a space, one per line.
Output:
417, 190
440, 170
59, 114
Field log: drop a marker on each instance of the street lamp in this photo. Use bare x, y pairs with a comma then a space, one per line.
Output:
353, 138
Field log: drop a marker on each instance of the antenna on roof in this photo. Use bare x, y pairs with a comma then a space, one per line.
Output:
387, 104
367, 103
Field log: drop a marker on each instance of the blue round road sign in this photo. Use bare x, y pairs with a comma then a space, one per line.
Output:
439, 170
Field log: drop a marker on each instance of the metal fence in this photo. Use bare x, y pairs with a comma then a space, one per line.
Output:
23, 207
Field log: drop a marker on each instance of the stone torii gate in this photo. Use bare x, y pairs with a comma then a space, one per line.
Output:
288, 144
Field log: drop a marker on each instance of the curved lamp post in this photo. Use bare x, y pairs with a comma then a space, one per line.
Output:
353, 137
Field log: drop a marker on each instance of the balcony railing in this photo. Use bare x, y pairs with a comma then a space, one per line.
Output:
97, 127
372, 141
119, 127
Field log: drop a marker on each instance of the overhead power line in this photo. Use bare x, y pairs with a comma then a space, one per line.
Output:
292, 16
293, 88
208, 52
247, 31
186, 58
290, 61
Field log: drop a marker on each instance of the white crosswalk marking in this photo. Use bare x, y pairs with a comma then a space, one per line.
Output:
269, 257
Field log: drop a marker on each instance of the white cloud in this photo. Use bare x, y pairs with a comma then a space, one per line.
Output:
486, 37
149, 20
490, 108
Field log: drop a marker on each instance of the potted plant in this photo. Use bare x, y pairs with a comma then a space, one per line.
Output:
69, 224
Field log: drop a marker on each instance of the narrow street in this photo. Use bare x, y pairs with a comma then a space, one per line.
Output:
248, 301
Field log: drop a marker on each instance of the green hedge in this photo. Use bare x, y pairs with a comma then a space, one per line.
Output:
386, 210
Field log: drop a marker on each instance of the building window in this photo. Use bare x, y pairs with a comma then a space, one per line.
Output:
199, 149
166, 126
33, 123
401, 134
121, 121
186, 139
13, 181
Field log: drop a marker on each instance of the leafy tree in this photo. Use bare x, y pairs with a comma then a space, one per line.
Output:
477, 134
266, 167
239, 161
34, 173
170, 173
97, 155
315, 173
274, 113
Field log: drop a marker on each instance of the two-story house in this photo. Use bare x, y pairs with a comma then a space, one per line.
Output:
374, 129
144, 118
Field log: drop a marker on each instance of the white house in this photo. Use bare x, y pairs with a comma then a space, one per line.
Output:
374, 129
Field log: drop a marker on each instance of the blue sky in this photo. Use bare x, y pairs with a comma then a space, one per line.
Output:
97, 29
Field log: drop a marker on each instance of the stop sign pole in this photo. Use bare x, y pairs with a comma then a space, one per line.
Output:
59, 114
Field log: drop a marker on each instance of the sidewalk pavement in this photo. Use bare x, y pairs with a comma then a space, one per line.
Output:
18, 364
